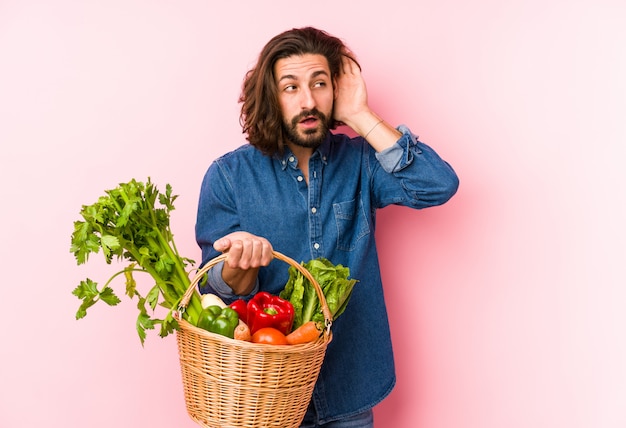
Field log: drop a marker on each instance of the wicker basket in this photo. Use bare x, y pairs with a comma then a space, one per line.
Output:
232, 383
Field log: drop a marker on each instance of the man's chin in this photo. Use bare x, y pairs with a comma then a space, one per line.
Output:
310, 138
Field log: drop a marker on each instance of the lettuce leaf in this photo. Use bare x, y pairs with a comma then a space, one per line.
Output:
335, 283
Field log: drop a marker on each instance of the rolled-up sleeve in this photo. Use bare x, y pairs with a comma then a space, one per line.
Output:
216, 285
400, 155
413, 174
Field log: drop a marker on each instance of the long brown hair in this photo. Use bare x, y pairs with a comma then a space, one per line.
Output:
261, 117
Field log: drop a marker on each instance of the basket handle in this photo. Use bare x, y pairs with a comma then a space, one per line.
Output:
328, 319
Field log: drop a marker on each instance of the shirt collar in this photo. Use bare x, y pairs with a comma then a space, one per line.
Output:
323, 151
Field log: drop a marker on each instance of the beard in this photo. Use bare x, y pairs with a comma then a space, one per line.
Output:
310, 138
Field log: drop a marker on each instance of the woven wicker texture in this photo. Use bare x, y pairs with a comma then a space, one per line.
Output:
231, 383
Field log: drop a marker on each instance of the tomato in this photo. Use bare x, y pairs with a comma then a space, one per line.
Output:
269, 336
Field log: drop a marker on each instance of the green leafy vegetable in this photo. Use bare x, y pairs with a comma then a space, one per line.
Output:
336, 287
132, 223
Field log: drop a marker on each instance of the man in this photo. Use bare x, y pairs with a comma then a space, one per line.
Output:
307, 192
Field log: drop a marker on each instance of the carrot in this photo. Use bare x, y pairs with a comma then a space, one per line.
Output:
242, 332
307, 332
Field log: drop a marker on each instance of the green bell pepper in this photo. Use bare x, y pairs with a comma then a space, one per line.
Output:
219, 320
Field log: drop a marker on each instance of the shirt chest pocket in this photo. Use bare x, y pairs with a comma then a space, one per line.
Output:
352, 223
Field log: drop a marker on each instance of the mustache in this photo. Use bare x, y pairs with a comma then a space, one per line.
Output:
307, 113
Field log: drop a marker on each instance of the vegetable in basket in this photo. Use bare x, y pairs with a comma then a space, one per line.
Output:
307, 332
269, 336
241, 307
132, 222
219, 320
242, 332
210, 299
334, 282
266, 310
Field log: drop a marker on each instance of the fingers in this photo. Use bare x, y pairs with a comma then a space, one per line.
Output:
349, 66
245, 251
350, 93
222, 244
249, 253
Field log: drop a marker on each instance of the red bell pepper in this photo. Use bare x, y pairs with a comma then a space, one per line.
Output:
267, 310
241, 307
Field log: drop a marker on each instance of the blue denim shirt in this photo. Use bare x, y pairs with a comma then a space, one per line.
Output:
334, 216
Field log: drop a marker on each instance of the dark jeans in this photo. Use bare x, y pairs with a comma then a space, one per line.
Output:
362, 420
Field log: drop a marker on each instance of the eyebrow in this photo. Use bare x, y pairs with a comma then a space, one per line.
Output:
292, 77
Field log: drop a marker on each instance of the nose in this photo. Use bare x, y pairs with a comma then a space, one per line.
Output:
307, 102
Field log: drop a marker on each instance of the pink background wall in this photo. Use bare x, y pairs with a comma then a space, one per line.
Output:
507, 304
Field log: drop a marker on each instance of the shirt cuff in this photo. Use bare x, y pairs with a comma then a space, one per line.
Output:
217, 284
400, 155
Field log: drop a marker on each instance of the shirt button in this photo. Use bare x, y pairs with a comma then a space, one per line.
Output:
300, 178
316, 246
313, 210
291, 159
